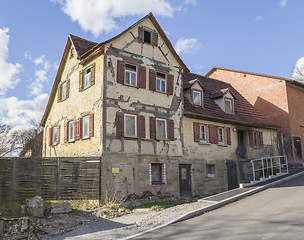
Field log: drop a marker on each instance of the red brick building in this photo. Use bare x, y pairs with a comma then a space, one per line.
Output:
279, 99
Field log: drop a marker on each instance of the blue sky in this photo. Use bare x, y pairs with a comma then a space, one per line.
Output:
254, 35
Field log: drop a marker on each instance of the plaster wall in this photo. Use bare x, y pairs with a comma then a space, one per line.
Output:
78, 103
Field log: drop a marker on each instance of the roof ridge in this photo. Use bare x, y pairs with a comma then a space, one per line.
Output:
82, 38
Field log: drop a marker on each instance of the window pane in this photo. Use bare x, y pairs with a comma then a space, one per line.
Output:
228, 106
133, 79
157, 85
71, 131
63, 91
131, 72
128, 77
130, 125
161, 129
87, 78
220, 133
197, 98
163, 86
54, 135
202, 133
85, 127
156, 173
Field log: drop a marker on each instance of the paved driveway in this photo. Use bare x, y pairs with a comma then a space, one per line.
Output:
276, 213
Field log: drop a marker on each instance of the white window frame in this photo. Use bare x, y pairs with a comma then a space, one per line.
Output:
256, 139
212, 167
166, 130
54, 135
85, 134
202, 134
126, 115
161, 80
63, 91
131, 72
151, 35
221, 134
163, 173
231, 105
85, 76
71, 137
199, 97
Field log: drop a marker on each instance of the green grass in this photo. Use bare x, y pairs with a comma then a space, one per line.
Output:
157, 205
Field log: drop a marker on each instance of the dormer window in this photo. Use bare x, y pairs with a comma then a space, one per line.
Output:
197, 97
228, 105
147, 35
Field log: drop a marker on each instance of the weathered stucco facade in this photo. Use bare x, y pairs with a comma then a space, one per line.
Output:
123, 100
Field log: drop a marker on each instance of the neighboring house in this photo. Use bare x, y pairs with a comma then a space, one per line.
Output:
220, 126
122, 100
277, 98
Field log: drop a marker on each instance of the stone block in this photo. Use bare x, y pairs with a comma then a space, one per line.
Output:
35, 206
61, 207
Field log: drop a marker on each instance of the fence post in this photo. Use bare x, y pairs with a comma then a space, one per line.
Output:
58, 185
14, 179
252, 162
100, 179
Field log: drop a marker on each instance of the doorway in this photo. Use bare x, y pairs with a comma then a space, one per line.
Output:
185, 180
298, 149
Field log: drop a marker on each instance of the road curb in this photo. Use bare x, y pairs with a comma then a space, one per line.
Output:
218, 204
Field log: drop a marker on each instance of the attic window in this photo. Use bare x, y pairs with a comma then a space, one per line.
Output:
228, 105
148, 36
72, 52
197, 97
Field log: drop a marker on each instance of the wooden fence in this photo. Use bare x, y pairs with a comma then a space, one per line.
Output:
50, 178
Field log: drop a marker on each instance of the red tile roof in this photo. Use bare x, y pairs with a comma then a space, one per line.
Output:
244, 112
82, 45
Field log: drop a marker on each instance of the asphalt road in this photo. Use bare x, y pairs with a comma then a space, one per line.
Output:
276, 213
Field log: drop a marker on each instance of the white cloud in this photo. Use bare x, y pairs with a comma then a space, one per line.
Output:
187, 45
97, 16
183, 6
19, 114
8, 71
39, 60
259, 18
198, 68
283, 3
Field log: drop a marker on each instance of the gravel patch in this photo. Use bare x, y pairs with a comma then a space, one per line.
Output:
130, 224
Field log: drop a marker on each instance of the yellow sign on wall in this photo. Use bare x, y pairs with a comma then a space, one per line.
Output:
115, 170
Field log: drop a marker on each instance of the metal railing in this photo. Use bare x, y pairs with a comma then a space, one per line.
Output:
268, 166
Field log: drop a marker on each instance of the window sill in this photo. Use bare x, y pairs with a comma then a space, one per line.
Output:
157, 183
162, 139
131, 137
71, 141
210, 175
222, 144
84, 138
204, 143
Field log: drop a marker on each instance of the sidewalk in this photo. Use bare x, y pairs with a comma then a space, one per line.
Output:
227, 197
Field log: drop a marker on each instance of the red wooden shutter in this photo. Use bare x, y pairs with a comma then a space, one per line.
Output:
93, 74
142, 77
142, 127
141, 34
196, 132
250, 138
171, 129
228, 135
119, 124
58, 135
153, 127
152, 79
80, 80
213, 135
58, 93
66, 132
170, 79
80, 128
77, 129
155, 39
261, 139
91, 125
68, 88
50, 136
120, 72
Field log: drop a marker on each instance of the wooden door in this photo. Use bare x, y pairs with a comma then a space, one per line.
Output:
185, 180
232, 174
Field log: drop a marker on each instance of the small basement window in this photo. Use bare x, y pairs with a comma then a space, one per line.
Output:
210, 170
157, 172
